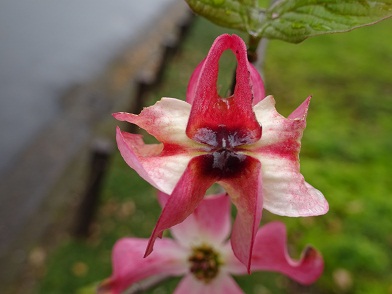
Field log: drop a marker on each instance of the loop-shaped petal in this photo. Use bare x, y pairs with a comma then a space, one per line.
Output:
256, 82
209, 111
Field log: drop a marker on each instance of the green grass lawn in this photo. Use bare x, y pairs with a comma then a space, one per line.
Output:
346, 153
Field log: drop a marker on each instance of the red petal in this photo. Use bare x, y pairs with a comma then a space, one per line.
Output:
209, 111
186, 196
270, 254
245, 191
256, 82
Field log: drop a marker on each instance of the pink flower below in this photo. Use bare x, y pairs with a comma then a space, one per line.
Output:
240, 142
201, 253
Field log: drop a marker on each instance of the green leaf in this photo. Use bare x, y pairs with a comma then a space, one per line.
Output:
296, 20
293, 20
226, 13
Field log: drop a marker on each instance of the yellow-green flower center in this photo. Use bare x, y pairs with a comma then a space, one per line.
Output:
204, 263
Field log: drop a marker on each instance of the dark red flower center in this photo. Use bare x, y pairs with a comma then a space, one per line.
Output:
224, 158
226, 162
221, 137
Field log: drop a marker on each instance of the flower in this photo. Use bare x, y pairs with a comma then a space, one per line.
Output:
240, 142
200, 252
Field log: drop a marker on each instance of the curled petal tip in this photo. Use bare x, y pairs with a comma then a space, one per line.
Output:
301, 111
119, 115
148, 251
312, 260
150, 245
310, 253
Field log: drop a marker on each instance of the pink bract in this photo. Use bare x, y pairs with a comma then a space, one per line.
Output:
209, 230
240, 142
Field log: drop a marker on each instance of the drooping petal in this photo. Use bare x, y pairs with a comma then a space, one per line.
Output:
166, 120
270, 254
208, 224
245, 190
285, 190
186, 196
222, 284
233, 114
129, 266
160, 168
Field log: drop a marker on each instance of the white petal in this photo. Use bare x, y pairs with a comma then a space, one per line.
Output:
285, 189
275, 127
166, 120
160, 170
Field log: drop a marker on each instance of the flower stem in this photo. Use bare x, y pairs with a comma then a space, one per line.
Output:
253, 43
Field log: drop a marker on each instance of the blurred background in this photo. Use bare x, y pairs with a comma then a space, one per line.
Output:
64, 67
47, 175
47, 47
